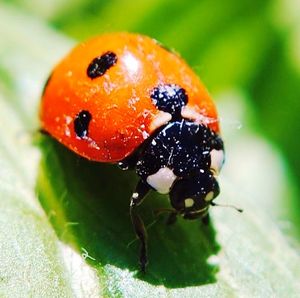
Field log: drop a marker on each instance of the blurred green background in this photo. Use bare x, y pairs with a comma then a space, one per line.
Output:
249, 48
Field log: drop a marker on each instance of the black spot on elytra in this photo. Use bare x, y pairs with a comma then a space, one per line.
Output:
169, 98
101, 64
81, 123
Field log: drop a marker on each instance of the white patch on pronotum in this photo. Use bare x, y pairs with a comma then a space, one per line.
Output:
217, 160
209, 196
160, 119
188, 203
194, 114
162, 180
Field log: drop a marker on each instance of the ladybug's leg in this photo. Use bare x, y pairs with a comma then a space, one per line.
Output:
137, 197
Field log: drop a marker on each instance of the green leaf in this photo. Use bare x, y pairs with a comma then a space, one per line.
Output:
64, 224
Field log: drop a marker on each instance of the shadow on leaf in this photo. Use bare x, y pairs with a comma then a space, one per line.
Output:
88, 205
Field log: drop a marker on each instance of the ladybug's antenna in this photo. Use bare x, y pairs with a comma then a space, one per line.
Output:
226, 205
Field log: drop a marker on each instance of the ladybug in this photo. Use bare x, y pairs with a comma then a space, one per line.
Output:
124, 98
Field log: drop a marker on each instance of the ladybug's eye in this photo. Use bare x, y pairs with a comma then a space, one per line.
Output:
81, 123
100, 65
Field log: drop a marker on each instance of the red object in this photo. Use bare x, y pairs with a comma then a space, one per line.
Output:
115, 91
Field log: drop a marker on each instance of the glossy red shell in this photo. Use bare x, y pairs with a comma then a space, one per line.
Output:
123, 115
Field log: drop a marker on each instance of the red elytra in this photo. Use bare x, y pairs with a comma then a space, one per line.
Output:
122, 113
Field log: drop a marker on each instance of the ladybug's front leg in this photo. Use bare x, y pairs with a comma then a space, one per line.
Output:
137, 197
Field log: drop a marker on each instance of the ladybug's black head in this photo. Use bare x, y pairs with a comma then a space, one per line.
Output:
192, 197
183, 159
